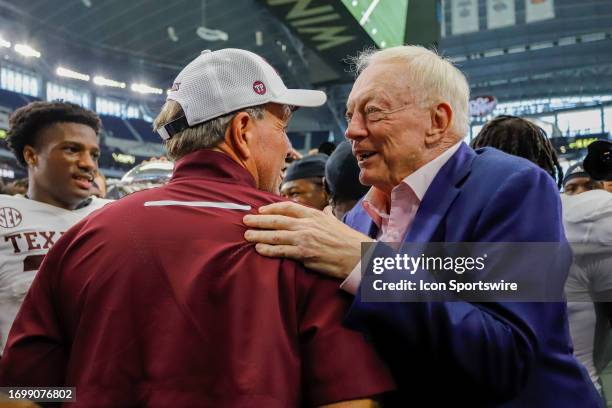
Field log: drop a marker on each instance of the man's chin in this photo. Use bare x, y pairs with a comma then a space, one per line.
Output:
79, 195
367, 179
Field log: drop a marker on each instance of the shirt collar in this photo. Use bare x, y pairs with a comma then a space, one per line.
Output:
213, 165
375, 200
420, 180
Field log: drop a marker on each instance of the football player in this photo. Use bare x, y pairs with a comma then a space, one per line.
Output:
58, 144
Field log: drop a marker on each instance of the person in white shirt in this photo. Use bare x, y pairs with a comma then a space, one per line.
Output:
587, 218
58, 143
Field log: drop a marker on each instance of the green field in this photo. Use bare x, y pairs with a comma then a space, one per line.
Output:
386, 24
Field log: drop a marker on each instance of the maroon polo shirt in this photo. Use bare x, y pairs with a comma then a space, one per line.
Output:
157, 300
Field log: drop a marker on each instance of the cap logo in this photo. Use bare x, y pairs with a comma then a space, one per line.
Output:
175, 86
259, 87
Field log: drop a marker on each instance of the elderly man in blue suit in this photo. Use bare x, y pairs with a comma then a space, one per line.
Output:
407, 114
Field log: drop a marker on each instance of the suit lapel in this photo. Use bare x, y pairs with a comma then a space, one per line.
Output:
361, 221
373, 231
440, 195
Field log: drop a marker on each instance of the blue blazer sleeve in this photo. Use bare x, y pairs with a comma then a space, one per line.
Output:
488, 349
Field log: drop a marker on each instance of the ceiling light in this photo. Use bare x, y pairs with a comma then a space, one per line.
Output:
210, 34
172, 34
100, 80
68, 73
124, 158
26, 50
146, 89
4, 43
258, 38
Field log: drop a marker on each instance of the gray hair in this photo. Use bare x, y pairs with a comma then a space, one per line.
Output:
433, 79
205, 135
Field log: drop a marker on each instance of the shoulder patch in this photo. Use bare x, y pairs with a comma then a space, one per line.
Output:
10, 217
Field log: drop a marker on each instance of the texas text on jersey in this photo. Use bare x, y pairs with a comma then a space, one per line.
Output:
28, 229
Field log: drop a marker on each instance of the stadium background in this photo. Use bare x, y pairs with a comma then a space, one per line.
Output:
549, 60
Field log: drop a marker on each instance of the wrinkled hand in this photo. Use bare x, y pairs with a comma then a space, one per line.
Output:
315, 238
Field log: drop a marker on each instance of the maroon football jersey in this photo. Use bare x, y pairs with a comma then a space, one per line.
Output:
157, 300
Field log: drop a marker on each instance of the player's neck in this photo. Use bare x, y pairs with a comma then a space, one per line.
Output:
42, 196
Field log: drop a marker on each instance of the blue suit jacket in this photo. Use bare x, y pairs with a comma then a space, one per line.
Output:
485, 354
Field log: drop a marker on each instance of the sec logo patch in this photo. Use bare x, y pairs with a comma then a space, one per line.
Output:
9, 217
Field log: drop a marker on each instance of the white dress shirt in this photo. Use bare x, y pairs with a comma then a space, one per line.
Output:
405, 200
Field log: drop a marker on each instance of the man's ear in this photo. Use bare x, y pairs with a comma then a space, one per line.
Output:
441, 119
30, 155
239, 133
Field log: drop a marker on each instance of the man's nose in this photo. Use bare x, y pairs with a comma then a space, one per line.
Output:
86, 161
356, 128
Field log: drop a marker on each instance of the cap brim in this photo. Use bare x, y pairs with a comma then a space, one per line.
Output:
572, 176
302, 97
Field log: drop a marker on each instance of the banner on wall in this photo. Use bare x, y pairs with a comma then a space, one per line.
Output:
464, 16
482, 105
500, 13
538, 10
327, 28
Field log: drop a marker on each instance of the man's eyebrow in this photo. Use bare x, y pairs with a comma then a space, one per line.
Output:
80, 145
73, 143
362, 99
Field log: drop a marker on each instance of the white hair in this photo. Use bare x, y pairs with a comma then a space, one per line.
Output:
432, 78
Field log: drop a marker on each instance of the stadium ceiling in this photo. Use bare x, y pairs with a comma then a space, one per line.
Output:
570, 55
151, 40
148, 41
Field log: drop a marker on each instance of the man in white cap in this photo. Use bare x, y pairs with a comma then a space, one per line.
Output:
169, 305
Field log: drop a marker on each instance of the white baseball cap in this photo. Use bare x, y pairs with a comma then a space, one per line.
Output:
223, 81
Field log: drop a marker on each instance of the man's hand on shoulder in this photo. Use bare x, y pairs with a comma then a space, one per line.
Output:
315, 238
